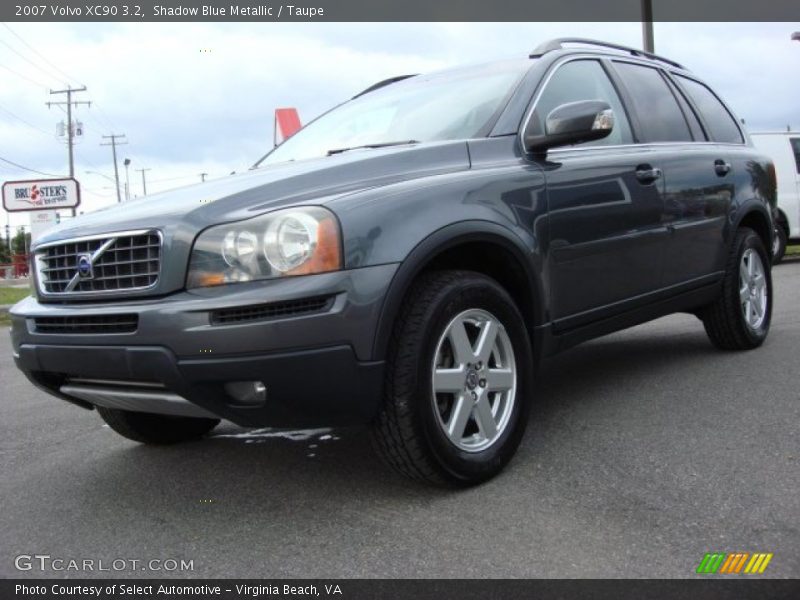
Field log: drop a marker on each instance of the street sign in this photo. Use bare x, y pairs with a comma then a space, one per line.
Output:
41, 194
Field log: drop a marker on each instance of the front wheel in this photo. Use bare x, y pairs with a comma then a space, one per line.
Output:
459, 375
739, 319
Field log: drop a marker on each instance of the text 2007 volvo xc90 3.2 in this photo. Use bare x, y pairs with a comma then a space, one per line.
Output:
406, 259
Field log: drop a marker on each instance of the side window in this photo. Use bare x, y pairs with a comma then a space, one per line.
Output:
721, 124
580, 80
796, 149
660, 117
688, 112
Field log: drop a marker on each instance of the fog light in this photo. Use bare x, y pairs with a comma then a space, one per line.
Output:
247, 392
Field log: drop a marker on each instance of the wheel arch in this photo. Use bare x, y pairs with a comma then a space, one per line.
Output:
756, 218
456, 246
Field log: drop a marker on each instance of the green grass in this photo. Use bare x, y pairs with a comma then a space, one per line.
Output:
9, 295
793, 250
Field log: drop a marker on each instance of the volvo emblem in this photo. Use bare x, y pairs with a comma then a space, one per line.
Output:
85, 267
472, 379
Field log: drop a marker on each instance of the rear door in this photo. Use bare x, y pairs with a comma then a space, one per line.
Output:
604, 206
697, 175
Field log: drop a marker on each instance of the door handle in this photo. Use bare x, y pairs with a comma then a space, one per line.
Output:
647, 174
722, 167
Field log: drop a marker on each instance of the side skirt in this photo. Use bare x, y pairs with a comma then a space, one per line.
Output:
555, 339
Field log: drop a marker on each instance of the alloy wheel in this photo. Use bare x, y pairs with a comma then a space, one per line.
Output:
474, 380
753, 293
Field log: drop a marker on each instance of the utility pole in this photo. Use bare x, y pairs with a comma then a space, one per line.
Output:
114, 143
203, 177
647, 26
144, 182
70, 129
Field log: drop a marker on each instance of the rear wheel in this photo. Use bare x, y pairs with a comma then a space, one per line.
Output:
458, 379
148, 428
739, 319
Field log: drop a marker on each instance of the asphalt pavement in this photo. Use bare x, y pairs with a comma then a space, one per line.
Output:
646, 449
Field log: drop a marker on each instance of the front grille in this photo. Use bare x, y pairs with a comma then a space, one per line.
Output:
87, 324
260, 312
116, 263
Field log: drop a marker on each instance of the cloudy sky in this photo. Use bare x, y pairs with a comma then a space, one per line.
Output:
186, 111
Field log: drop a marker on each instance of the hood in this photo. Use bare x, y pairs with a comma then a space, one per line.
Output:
316, 181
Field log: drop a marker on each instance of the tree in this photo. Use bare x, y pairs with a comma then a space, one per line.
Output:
21, 241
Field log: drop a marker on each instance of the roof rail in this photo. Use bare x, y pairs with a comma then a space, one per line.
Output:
384, 83
556, 44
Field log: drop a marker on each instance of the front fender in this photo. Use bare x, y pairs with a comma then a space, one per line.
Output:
442, 240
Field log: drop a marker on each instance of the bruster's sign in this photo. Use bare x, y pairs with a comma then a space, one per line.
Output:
41, 194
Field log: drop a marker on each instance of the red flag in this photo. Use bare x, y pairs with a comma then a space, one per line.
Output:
287, 122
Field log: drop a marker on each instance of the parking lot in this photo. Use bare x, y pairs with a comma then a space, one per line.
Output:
645, 450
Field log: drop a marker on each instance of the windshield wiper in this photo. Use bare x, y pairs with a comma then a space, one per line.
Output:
380, 145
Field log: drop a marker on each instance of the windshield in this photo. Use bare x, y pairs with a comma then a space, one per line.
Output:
446, 106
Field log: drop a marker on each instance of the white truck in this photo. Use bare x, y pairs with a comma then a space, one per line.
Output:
784, 149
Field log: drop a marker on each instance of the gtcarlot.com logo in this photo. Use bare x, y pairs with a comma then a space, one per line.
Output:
734, 562
45, 562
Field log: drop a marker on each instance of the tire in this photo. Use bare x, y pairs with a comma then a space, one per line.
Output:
148, 428
409, 432
724, 320
779, 245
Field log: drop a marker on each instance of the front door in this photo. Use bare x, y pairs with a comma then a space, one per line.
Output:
604, 205
606, 238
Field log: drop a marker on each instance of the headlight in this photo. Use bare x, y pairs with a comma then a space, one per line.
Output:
295, 241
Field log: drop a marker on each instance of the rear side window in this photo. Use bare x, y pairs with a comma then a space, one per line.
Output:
580, 80
660, 117
796, 149
691, 117
721, 124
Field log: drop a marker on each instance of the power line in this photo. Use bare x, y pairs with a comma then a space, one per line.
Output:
96, 121
172, 178
112, 125
29, 124
33, 81
50, 73
39, 54
97, 191
24, 168
109, 123
29, 61
90, 163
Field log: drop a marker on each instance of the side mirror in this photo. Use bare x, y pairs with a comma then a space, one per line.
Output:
571, 123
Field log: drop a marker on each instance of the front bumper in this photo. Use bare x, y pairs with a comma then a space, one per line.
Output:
317, 367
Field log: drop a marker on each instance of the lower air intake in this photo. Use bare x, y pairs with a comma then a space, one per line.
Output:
274, 310
87, 324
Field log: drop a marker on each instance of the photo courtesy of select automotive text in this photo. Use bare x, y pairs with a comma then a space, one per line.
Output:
372, 300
